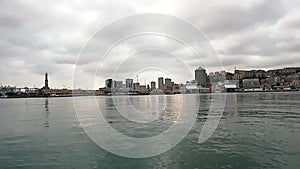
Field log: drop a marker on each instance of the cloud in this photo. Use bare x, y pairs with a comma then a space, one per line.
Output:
43, 36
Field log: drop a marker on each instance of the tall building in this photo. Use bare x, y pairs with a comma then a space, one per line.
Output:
46, 81
153, 85
129, 83
161, 83
168, 82
109, 83
201, 77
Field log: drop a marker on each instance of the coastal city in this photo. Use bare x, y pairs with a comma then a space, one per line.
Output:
150, 84
276, 80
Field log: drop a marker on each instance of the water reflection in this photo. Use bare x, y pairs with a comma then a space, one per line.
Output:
231, 107
47, 112
124, 110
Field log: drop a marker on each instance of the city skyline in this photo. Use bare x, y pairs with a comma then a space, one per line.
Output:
278, 80
150, 84
201, 77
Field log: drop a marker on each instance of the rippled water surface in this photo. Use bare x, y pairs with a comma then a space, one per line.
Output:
257, 130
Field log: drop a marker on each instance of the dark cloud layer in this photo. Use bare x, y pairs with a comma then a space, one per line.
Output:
46, 36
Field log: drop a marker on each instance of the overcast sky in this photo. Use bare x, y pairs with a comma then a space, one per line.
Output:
47, 36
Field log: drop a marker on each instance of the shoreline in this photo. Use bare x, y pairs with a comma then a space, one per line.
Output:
55, 96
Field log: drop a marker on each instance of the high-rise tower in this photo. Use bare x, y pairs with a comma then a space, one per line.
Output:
200, 77
161, 83
46, 81
129, 83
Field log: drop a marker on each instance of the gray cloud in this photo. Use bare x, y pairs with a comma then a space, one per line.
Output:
40, 36
222, 19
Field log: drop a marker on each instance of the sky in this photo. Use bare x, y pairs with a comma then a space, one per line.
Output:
68, 39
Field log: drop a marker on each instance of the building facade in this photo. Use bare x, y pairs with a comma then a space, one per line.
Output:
251, 83
153, 85
201, 77
109, 83
161, 83
168, 82
129, 83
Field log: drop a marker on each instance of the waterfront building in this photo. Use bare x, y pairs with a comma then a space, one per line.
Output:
109, 83
143, 89
251, 83
189, 89
217, 77
175, 88
240, 75
167, 89
295, 82
153, 85
260, 74
57, 92
129, 83
168, 82
229, 76
136, 86
201, 77
9, 89
161, 83
231, 85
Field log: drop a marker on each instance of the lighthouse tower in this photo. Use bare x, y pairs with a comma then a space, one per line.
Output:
46, 81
